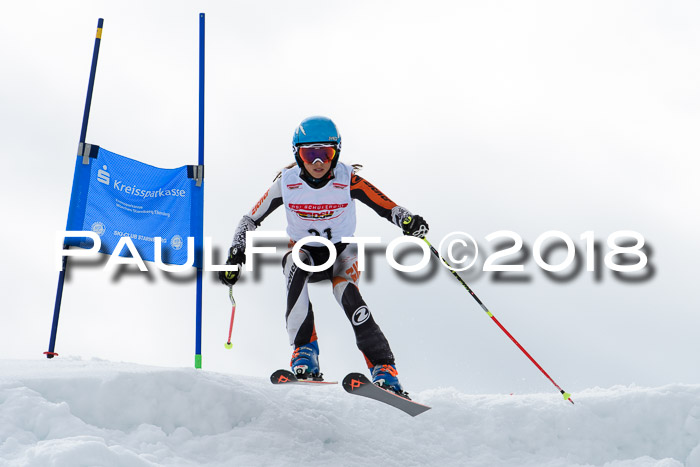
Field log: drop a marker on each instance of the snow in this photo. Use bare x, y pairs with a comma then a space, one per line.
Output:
73, 412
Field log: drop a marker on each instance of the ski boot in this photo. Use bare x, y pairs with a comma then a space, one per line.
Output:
305, 362
386, 377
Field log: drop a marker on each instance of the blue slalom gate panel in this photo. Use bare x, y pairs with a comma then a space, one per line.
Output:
120, 197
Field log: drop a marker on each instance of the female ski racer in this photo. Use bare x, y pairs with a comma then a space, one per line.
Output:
319, 196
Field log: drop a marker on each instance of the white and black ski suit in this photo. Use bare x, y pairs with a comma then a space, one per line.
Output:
328, 211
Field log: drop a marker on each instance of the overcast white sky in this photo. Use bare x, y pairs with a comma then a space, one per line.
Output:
524, 116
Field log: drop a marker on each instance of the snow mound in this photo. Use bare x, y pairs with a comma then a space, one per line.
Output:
69, 412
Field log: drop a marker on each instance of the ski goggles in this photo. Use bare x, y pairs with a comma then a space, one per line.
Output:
311, 153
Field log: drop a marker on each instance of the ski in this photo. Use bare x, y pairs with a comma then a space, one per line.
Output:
287, 377
359, 385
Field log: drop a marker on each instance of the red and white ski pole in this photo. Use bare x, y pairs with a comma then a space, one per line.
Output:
566, 395
229, 345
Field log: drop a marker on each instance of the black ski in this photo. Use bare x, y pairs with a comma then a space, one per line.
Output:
287, 377
360, 385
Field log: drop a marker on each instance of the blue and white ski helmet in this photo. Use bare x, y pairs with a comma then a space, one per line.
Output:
317, 129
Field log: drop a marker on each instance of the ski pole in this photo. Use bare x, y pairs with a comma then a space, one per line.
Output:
228, 344
566, 395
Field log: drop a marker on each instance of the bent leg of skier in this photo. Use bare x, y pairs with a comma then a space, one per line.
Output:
369, 337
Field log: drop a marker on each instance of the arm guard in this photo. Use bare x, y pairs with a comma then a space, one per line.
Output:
271, 200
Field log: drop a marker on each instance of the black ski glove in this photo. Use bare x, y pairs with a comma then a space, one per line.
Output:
235, 256
415, 225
